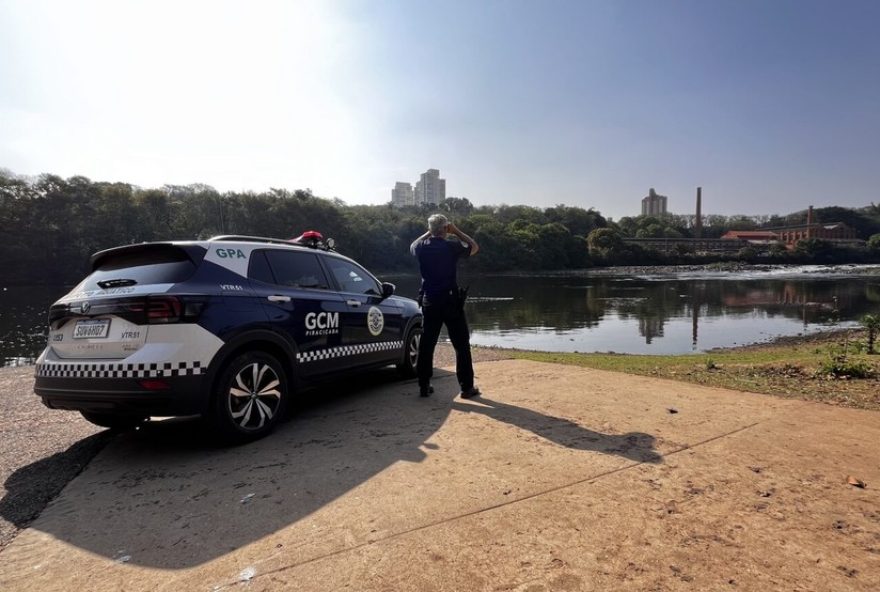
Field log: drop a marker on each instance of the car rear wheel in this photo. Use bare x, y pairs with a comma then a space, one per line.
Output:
407, 367
114, 421
249, 398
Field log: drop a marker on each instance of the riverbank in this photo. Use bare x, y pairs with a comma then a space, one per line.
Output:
794, 367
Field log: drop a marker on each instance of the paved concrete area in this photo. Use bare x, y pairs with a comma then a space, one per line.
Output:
560, 478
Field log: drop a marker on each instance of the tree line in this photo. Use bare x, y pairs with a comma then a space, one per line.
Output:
50, 225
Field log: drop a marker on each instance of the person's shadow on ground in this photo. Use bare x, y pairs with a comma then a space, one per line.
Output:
635, 446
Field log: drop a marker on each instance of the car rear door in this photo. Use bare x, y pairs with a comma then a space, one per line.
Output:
300, 302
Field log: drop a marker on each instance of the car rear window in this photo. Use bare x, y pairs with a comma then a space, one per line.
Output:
162, 264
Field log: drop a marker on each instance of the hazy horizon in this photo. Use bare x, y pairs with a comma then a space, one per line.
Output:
769, 107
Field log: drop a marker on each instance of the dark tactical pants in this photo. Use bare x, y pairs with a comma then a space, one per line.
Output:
451, 313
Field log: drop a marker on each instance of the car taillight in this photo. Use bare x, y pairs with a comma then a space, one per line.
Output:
163, 309
158, 309
58, 313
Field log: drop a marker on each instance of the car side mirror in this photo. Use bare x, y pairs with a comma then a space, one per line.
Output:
387, 289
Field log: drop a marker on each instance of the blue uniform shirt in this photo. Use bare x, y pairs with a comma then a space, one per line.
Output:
437, 263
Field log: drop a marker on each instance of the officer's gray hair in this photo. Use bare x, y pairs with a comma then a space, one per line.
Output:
437, 224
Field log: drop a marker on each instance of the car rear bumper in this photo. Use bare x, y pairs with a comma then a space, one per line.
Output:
185, 395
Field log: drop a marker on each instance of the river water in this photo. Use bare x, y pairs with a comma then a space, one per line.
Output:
644, 313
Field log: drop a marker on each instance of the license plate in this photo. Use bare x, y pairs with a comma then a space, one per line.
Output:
92, 328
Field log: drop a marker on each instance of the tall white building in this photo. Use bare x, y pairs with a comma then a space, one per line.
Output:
430, 189
653, 204
402, 194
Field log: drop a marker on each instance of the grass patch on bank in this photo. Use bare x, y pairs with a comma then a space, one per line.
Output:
796, 368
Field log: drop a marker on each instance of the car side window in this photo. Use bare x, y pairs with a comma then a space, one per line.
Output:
258, 268
297, 270
352, 278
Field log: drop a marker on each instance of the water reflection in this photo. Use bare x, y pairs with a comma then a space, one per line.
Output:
23, 318
661, 315
653, 315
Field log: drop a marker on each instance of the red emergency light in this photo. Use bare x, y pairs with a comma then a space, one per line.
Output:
310, 238
314, 240
308, 234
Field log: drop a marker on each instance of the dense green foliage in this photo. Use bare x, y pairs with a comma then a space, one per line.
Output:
51, 225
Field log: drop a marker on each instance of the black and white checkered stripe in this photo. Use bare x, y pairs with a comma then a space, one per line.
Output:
104, 370
347, 350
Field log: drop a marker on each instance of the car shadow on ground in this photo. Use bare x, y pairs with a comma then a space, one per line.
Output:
169, 496
30, 488
165, 496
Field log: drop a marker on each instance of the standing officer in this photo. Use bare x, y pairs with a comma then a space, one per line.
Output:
442, 302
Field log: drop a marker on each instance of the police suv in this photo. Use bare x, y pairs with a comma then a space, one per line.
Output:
228, 328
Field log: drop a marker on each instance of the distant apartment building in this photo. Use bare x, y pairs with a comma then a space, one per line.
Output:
402, 194
430, 189
653, 204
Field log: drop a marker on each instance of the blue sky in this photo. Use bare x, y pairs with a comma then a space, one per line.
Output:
770, 106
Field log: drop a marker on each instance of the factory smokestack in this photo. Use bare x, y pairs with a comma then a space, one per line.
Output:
698, 225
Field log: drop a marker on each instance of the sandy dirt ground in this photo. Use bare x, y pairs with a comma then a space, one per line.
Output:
559, 478
44, 449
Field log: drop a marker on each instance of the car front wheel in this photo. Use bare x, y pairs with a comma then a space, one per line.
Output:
407, 367
249, 398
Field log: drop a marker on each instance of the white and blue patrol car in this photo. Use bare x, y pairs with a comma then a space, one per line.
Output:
228, 328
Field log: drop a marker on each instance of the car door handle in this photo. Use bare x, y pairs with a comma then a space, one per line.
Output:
277, 298
353, 302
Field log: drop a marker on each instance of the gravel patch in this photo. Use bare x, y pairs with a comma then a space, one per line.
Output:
444, 355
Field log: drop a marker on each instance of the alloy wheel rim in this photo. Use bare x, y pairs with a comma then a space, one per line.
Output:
414, 348
254, 396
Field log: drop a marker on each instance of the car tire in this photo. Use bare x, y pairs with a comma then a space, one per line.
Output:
114, 421
407, 367
250, 397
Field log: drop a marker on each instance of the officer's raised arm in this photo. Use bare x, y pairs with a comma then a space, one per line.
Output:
453, 229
